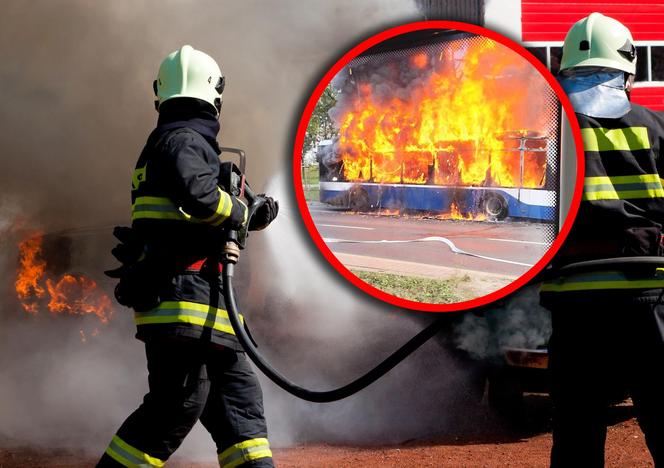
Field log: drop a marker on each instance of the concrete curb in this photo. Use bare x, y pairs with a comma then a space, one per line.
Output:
471, 283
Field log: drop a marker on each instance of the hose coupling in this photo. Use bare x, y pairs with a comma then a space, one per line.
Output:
231, 252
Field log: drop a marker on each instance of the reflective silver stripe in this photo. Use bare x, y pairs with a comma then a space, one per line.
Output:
623, 187
157, 208
187, 312
131, 457
245, 455
148, 207
246, 451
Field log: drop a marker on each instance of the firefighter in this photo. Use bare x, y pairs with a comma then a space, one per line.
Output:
608, 322
179, 216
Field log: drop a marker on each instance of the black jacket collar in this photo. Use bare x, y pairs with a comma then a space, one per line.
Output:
196, 114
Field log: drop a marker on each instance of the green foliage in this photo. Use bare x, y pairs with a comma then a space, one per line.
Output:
310, 182
320, 125
430, 290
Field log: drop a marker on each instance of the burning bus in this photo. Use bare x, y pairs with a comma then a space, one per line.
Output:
445, 122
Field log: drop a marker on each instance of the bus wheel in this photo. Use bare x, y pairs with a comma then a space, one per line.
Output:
495, 207
358, 199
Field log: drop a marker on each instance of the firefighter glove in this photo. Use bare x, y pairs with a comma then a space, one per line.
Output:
129, 251
238, 218
265, 214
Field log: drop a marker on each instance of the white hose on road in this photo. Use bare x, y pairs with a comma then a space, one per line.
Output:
444, 240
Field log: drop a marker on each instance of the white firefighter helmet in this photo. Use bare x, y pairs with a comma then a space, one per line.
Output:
599, 41
189, 73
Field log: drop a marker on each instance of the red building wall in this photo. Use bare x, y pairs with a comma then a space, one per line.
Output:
652, 97
549, 21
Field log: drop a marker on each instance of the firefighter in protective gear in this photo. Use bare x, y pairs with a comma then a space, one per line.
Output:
180, 213
608, 324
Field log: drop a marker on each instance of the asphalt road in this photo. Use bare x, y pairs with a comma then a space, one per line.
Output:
511, 241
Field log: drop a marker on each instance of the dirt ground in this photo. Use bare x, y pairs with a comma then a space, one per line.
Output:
625, 447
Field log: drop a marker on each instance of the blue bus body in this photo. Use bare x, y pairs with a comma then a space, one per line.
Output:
493, 202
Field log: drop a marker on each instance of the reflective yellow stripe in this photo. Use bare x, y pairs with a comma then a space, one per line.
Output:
164, 208
244, 452
129, 456
627, 284
163, 201
223, 210
246, 212
590, 181
624, 195
623, 187
620, 139
157, 208
602, 280
187, 312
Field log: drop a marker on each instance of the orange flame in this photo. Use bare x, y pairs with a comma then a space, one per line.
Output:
420, 60
69, 294
30, 274
78, 295
454, 213
389, 212
456, 126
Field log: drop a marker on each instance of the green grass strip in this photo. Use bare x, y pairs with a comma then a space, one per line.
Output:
414, 288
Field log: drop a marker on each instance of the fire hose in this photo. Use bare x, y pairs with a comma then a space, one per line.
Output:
626, 264
444, 240
230, 257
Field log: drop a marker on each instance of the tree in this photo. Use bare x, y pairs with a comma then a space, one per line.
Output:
320, 125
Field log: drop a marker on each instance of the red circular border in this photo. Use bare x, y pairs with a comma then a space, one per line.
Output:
311, 227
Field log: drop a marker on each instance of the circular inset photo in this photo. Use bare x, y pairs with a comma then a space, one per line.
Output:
438, 166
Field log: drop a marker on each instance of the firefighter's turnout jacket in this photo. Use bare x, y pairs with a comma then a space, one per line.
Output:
180, 212
622, 209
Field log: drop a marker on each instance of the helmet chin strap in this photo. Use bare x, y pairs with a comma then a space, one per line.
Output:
156, 93
629, 84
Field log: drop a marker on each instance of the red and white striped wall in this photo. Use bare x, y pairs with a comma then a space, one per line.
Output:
541, 26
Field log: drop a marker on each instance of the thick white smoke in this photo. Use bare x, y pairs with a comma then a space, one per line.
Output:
521, 323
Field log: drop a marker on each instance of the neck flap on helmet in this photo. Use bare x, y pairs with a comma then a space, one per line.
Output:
596, 92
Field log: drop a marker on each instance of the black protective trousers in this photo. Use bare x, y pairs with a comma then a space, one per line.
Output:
188, 381
598, 352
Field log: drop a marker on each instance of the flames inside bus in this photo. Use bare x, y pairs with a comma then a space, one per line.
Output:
460, 125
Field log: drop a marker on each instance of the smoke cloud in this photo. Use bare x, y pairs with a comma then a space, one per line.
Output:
77, 87
76, 80
521, 323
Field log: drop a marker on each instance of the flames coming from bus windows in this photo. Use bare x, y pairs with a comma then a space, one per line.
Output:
459, 114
